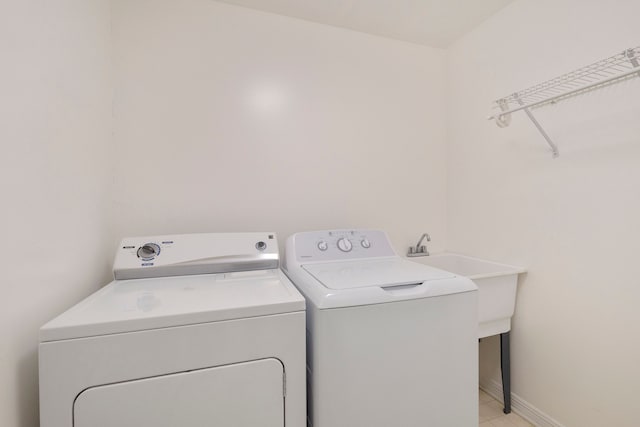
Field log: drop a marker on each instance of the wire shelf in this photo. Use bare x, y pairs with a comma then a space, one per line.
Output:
617, 68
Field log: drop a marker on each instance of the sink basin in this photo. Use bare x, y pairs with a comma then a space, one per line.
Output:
497, 284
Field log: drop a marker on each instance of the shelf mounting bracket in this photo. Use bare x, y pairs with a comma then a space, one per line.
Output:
554, 147
631, 54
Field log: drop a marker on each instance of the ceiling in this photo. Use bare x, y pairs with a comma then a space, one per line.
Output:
436, 23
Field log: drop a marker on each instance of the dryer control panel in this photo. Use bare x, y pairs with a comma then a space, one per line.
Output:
186, 254
336, 245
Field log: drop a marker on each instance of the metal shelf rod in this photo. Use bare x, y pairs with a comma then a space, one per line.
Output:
565, 94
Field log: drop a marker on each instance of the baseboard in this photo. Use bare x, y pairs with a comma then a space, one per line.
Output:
520, 406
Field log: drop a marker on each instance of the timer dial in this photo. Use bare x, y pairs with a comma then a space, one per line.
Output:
148, 251
345, 245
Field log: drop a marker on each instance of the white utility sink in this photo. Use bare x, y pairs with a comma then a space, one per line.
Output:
497, 285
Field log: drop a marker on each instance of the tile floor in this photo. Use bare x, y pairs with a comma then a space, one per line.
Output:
491, 414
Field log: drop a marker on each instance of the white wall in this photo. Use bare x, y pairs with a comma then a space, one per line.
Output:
572, 221
55, 109
230, 119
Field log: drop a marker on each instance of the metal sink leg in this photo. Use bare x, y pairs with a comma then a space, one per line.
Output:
505, 368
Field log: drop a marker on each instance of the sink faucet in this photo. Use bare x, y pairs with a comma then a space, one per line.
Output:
419, 249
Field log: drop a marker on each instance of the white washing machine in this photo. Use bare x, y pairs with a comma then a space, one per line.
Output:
196, 330
390, 342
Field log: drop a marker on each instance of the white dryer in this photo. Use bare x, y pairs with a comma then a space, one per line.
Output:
196, 330
390, 342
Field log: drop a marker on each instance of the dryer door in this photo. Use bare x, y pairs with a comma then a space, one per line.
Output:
240, 395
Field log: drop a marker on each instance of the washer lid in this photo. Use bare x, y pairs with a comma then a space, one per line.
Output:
377, 281
142, 304
379, 273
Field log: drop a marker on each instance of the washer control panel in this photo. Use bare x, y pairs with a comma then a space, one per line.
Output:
335, 245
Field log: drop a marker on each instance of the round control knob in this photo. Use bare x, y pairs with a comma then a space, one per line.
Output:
344, 245
365, 243
322, 245
148, 251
